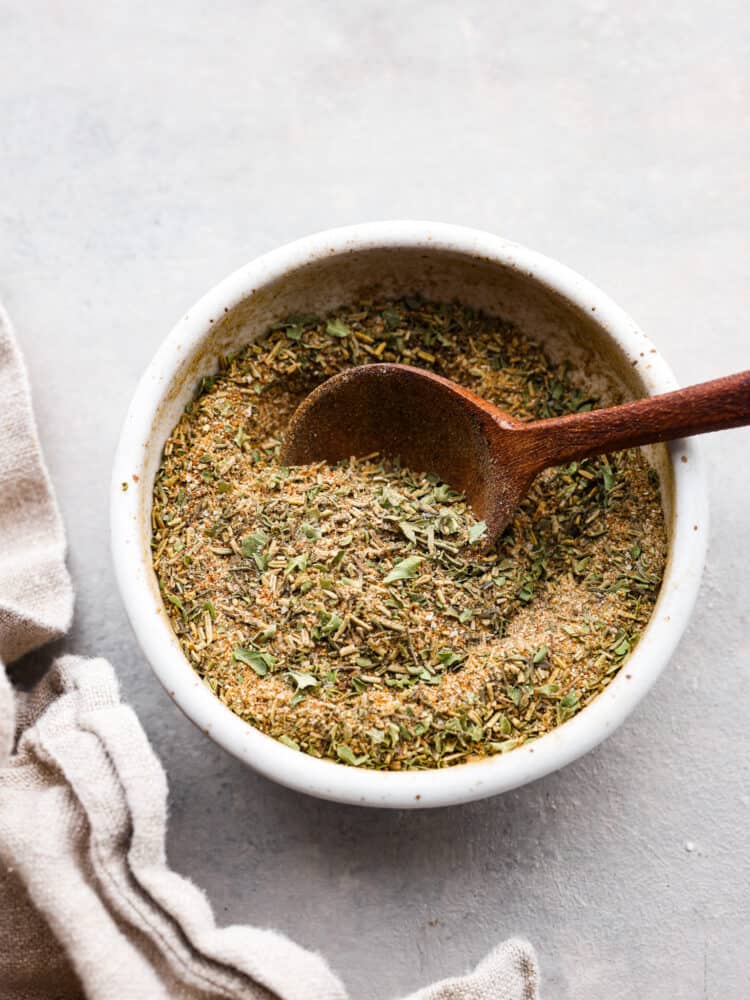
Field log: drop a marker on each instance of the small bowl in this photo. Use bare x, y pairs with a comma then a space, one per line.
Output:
549, 302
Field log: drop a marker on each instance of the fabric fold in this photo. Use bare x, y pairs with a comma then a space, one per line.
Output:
510, 970
97, 868
36, 595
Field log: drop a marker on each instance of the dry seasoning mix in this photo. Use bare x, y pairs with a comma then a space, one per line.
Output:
351, 612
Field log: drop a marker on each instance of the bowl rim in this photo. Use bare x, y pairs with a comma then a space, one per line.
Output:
410, 789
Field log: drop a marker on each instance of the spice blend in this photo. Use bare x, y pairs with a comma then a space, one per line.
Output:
352, 612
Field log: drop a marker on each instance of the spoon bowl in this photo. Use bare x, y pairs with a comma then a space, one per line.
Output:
428, 422
434, 425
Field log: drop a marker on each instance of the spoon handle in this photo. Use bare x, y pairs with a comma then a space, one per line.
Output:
698, 409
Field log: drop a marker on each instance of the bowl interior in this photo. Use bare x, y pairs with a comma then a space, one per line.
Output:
549, 303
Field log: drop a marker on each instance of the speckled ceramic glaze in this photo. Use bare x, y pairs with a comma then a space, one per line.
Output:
316, 274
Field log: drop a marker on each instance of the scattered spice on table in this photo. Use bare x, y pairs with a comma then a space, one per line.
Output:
352, 612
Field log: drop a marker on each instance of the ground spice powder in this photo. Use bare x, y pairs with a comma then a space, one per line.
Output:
352, 612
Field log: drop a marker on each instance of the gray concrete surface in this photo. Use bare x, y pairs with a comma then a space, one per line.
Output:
148, 149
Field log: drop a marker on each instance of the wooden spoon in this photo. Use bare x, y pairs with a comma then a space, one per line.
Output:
434, 425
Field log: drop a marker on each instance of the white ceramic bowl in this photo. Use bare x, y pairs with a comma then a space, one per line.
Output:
572, 317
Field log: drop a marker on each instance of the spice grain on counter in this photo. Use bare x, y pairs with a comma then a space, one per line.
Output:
352, 612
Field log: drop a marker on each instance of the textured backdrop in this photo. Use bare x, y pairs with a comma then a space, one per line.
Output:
147, 151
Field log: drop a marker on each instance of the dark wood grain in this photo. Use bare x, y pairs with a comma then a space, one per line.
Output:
710, 406
434, 425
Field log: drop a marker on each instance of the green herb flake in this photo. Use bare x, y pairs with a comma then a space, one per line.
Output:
336, 328
260, 662
254, 543
404, 570
548, 690
332, 624
288, 742
449, 658
409, 530
568, 706
477, 531
297, 563
346, 754
303, 680
174, 599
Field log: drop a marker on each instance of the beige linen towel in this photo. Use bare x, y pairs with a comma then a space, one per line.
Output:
88, 906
